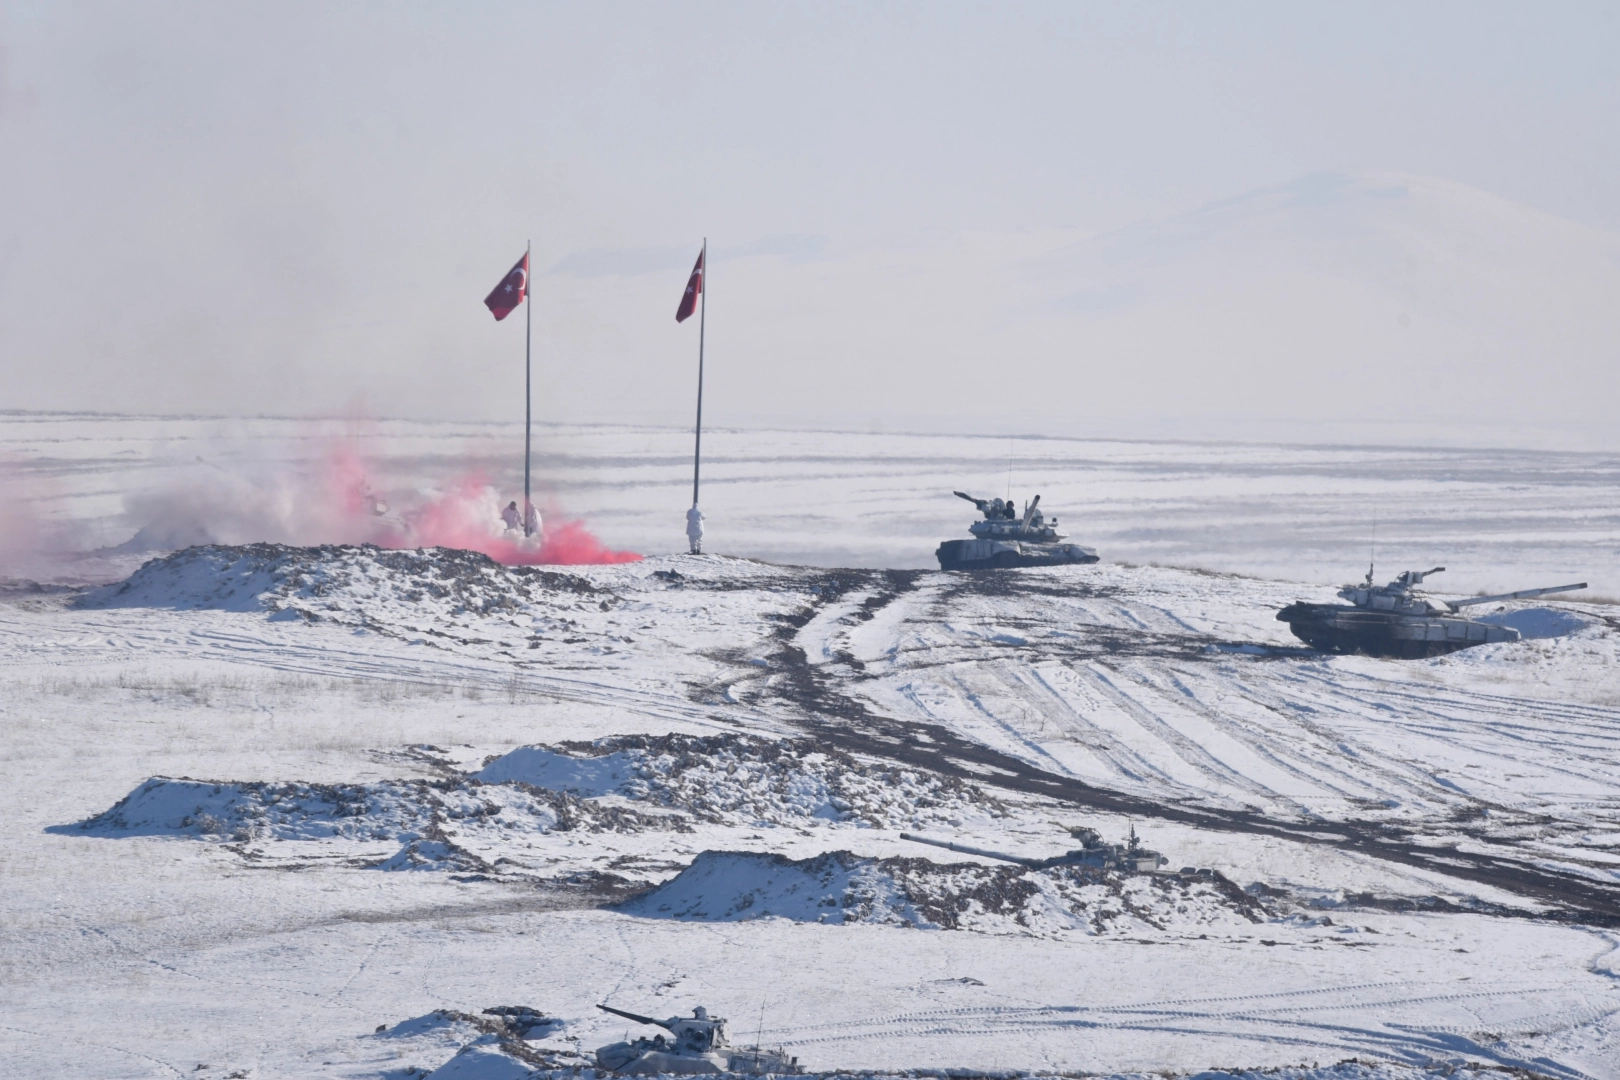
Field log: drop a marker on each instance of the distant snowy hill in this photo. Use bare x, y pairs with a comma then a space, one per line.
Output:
1336, 305
1379, 295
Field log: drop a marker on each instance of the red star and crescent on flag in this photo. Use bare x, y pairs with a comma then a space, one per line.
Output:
511, 291
694, 286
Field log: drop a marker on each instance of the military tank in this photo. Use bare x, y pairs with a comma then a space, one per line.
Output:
1003, 538
1130, 856
696, 1044
1397, 620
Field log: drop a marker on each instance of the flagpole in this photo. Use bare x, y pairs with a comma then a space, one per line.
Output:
528, 380
703, 311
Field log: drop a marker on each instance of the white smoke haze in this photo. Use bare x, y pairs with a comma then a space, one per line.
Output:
221, 506
22, 542
95, 511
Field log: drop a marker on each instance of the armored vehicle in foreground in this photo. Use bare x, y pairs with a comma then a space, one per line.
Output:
1396, 620
1130, 856
696, 1044
1002, 538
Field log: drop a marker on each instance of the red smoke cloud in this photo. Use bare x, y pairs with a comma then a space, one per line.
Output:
468, 517
343, 503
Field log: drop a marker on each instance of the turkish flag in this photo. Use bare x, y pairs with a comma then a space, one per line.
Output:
694, 285
511, 291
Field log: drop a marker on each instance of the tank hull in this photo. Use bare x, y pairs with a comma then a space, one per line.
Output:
655, 1062
1338, 628
1006, 554
626, 1059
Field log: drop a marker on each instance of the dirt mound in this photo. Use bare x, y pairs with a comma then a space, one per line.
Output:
400, 810
840, 887
742, 780
336, 581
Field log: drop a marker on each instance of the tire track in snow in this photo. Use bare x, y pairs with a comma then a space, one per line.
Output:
1390, 1039
834, 708
1363, 765
1098, 740
975, 699
1310, 760
1116, 681
98, 1045
1461, 721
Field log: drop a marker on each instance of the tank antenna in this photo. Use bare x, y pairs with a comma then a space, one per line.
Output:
1009, 467
1372, 552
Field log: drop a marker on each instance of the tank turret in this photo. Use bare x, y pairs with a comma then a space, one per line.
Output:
1003, 538
1397, 620
696, 1044
1130, 856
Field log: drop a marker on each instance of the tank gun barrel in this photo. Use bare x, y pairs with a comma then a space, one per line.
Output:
982, 504
1522, 594
638, 1019
965, 850
1029, 514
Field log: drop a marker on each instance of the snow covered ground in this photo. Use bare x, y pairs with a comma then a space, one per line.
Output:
268, 809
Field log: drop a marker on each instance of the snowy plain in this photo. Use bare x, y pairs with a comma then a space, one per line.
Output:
260, 800
1499, 519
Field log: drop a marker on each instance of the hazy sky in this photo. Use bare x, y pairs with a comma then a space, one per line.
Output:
995, 215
